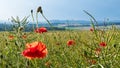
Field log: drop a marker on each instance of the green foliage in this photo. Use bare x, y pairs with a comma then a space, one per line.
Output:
61, 55
19, 25
87, 51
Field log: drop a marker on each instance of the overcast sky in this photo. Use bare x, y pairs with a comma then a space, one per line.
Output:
62, 9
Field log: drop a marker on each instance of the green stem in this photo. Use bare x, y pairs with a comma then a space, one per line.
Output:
34, 63
36, 20
103, 59
47, 20
33, 19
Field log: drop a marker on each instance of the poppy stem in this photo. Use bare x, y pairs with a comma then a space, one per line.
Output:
47, 20
34, 63
37, 20
32, 18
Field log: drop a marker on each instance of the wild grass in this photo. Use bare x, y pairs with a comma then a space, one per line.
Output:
80, 55
97, 48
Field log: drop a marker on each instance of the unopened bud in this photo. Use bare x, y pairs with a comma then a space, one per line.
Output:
31, 11
39, 9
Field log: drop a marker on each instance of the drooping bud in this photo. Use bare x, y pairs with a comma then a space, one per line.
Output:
39, 9
31, 11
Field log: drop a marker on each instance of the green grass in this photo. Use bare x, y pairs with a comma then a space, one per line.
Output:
59, 54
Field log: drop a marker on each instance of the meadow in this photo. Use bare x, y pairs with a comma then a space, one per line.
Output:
41, 48
85, 53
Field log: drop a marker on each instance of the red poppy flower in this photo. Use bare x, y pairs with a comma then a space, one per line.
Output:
11, 37
47, 64
91, 29
70, 42
103, 44
40, 30
35, 50
92, 61
97, 51
24, 36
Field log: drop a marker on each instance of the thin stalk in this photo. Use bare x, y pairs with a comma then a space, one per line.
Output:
91, 17
103, 58
36, 20
33, 19
47, 20
34, 63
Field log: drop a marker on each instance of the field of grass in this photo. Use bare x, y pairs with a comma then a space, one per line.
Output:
87, 52
41, 48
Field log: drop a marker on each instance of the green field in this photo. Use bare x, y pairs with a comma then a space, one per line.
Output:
41, 48
80, 55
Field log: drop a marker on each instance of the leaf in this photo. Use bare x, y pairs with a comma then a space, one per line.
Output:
100, 65
91, 66
18, 20
13, 20
91, 16
24, 20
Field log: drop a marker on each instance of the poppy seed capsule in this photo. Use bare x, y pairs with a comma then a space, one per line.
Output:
39, 10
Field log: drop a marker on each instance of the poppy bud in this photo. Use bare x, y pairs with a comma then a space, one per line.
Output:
39, 9
31, 11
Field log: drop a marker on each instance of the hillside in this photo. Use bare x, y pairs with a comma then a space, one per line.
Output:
58, 24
